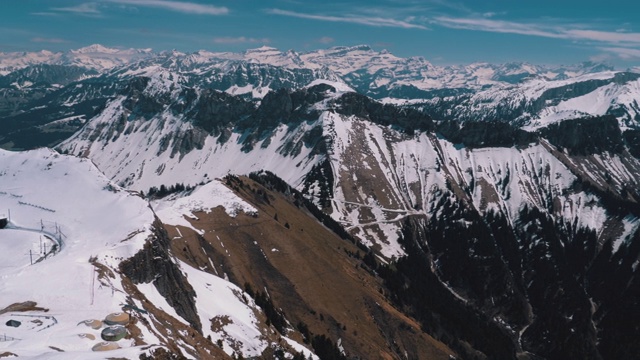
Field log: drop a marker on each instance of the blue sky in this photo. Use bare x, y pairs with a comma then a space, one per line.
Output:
444, 32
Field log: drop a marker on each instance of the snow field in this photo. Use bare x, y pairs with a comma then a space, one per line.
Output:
97, 218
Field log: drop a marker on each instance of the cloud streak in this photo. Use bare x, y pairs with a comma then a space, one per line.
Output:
353, 19
48, 40
498, 26
239, 40
577, 32
86, 9
178, 6
623, 53
45, 13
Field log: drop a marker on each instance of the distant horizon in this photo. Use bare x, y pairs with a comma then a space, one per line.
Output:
454, 32
334, 46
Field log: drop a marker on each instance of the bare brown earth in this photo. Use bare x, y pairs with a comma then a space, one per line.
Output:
308, 271
23, 306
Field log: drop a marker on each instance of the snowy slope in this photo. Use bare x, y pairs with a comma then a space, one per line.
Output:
539, 102
166, 147
63, 207
382, 176
68, 199
138, 162
602, 101
173, 209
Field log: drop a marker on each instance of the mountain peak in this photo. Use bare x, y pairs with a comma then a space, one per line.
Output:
272, 56
347, 49
95, 48
261, 49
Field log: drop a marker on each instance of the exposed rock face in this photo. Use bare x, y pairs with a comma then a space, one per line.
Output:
153, 264
216, 112
140, 103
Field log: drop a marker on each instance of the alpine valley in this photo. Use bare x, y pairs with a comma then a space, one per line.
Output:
335, 204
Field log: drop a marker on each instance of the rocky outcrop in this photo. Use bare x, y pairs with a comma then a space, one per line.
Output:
153, 264
216, 112
140, 103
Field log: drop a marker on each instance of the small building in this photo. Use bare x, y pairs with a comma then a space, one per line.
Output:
114, 333
3, 222
117, 319
105, 346
94, 324
13, 323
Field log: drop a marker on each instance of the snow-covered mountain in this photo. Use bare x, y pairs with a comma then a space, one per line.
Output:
94, 57
380, 170
537, 103
510, 191
375, 73
159, 137
382, 74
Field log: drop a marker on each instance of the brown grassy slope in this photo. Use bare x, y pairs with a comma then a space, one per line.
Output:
307, 272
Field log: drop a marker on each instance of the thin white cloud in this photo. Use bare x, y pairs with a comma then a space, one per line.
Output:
577, 32
48, 40
605, 36
240, 40
623, 53
353, 19
90, 9
499, 26
45, 13
179, 6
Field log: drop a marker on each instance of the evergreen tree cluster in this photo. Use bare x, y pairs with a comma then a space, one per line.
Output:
322, 345
322, 176
406, 119
326, 349
275, 316
419, 291
159, 193
586, 136
481, 134
632, 139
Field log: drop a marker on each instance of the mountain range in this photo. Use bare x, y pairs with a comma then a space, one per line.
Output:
376, 206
